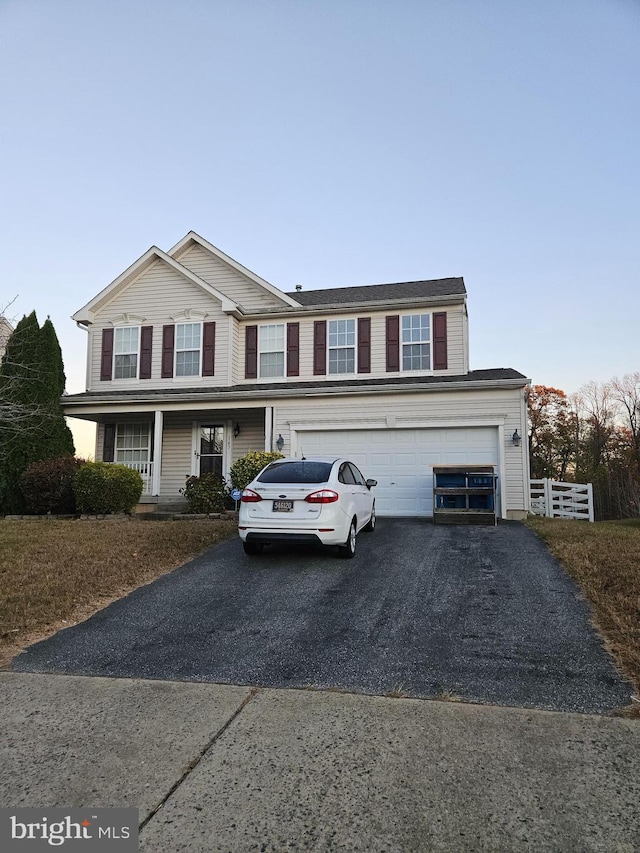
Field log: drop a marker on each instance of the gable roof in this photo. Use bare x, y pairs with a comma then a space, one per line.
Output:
434, 288
86, 314
192, 238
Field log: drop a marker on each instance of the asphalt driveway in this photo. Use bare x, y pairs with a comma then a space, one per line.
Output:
484, 614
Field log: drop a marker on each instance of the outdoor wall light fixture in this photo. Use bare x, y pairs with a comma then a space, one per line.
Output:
516, 439
236, 430
279, 443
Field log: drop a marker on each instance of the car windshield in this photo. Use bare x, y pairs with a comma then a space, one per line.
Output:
304, 471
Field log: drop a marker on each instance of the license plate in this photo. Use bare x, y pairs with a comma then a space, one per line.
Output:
283, 506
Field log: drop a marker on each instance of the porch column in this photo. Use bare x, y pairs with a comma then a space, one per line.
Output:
268, 427
157, 452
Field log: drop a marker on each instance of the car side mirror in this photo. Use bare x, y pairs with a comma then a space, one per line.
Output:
371, 483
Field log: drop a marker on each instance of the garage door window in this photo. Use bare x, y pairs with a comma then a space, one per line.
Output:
416, 342
342, 346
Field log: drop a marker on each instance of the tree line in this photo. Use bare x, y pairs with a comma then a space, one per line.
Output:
591, 436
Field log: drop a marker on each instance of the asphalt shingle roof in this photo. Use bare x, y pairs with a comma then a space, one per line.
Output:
500, 373
381, 292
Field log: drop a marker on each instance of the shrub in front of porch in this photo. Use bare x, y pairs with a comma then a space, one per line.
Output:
208, 493
247, 468
47, 486
103, 487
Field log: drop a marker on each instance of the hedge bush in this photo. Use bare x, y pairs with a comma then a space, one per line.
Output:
207, 493
102, 487
47, 486
247, 468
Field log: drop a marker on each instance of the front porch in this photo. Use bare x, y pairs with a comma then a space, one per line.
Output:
168, 447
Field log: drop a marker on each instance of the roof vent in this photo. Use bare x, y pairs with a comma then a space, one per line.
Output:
298, 287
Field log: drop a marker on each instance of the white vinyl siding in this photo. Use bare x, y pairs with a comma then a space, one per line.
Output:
224, 278
455, 346
177, 441
176, 454
271, 350
158, 295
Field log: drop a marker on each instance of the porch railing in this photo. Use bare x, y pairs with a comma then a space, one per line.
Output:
145, 469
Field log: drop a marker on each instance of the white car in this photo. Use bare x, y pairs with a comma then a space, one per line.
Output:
317, 500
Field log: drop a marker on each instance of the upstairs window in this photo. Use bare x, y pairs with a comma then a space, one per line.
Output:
125, 352
416, 342
188, 344
342, 346
271, 350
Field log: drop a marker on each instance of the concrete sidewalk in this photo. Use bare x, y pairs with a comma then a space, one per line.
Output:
223, 768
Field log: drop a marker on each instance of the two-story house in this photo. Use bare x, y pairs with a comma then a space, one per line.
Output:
193, 361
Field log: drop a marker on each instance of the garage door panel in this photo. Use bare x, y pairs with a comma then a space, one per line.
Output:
402, 460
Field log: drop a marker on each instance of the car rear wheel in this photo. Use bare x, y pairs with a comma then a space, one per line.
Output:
370, 526
252, 548
348, 550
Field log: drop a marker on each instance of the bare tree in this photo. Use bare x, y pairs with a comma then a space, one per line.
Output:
626, 392
599, 416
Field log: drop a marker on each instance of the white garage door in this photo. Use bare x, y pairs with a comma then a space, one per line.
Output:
401, 460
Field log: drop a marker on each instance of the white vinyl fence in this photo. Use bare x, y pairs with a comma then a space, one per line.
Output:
562, 500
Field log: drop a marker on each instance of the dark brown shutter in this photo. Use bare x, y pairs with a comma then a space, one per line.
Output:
146, 346
251, 352
168, 335
293, 349
106, 359
320, 348
364, 345
440, 341
393, 344
109, 444
208, 349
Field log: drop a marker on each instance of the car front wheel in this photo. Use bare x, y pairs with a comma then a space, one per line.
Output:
348, 550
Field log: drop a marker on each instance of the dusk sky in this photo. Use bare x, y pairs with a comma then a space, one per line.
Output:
331, 143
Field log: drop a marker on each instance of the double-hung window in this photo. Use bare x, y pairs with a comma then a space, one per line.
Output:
416, 342
132, 445
188, 346
342, 346
125, 352
271, 350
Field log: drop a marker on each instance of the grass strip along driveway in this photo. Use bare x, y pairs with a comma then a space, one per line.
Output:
56, 573
604, 560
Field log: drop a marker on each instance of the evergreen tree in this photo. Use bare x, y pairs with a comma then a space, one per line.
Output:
59, 441
32, 425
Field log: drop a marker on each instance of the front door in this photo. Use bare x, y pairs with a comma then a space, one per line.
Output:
210, 446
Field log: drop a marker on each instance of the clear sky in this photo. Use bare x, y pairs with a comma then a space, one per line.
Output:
331, 143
